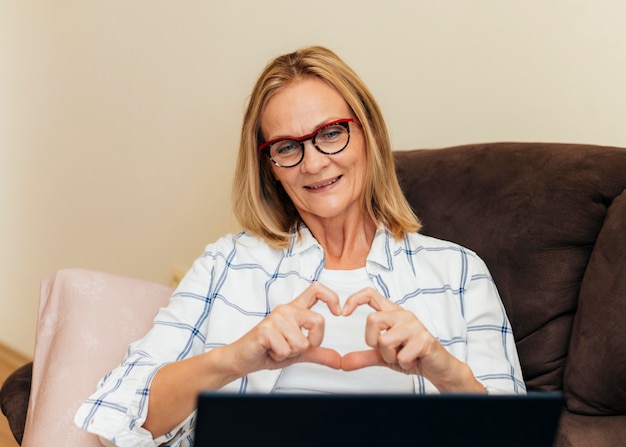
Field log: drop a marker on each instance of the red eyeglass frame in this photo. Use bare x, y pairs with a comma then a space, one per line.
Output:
308, 136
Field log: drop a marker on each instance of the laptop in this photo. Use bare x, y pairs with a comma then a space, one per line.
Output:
377, 420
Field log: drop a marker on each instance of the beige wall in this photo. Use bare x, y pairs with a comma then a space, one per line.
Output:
119, 119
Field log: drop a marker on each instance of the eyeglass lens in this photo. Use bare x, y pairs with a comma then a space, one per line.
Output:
329, 140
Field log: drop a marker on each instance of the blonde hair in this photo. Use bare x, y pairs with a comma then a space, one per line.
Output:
260, 203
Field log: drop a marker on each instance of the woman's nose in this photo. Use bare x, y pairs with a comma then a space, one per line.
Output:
313, 159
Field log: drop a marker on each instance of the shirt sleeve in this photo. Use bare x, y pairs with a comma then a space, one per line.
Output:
118, 408
491, 351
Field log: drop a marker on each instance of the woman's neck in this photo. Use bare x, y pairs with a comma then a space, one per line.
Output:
346, 243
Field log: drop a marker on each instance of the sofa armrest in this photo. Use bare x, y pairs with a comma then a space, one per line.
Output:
14, 397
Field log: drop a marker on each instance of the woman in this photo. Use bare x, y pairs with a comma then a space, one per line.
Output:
329, 289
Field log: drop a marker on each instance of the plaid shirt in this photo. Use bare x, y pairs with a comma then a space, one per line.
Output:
238, 281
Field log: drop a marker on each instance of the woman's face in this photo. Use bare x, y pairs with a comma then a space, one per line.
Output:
323, 187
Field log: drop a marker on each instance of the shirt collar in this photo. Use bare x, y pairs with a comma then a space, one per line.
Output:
301, 240
381, 252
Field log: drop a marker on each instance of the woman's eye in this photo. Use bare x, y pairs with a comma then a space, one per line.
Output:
285, 147
331, 133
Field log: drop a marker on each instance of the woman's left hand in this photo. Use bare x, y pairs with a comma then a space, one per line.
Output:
401, 342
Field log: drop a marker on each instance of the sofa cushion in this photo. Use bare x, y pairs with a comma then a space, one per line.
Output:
590, 431
595, 373
532, 211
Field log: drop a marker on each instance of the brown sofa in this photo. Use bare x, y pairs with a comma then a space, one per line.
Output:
550, 222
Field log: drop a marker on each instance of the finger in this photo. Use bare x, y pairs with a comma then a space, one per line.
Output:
381, 336
408, 360
361, 359
302, 328
421, 348
279, 349
314, 324
282, 331
397, 335
395, 327
322, 356
318, 292
370, 297
374, 326
389, 353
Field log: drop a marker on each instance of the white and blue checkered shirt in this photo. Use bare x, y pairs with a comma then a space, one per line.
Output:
239, 279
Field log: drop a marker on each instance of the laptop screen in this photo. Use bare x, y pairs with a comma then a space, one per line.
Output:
364, 420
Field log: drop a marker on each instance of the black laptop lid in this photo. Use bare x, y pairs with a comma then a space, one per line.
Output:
377, 420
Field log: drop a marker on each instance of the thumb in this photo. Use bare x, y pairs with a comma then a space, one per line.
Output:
322, 356
361, 359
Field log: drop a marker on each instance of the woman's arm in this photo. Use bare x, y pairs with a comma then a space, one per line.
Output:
276, 342
175, 388
491, 349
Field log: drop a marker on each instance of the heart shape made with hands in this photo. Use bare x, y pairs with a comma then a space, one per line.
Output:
349, 343
395, 336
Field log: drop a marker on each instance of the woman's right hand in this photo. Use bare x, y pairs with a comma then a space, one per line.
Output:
291, 333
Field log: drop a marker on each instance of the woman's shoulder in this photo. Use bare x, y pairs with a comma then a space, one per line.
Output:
435, 258
242, 243
431, 242
438, 247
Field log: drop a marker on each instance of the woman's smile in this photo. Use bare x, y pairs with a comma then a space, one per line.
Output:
322, 185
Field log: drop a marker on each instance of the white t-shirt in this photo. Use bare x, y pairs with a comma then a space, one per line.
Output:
343, 334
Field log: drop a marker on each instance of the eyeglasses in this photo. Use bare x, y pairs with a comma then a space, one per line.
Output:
329, 139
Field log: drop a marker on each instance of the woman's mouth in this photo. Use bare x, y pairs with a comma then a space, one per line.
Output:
324, 184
